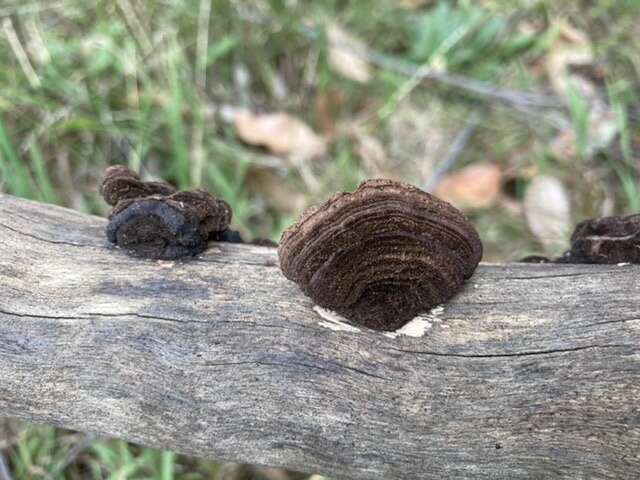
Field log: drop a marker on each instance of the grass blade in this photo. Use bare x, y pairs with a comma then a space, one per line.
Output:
15, 175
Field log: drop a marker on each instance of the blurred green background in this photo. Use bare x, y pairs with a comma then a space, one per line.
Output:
523, 113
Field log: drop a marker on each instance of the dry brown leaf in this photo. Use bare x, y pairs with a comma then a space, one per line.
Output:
343, 57
548, 211
476, 186
281, 133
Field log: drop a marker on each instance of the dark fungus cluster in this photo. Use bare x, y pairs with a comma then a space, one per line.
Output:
379, 256
153, 220
606, 240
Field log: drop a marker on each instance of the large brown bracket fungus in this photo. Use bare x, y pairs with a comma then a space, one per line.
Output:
382, 254
152, 220
605, 240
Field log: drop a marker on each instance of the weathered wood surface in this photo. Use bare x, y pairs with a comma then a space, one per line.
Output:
533, 371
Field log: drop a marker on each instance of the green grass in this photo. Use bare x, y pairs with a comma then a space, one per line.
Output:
579, 109
147, 83
14, 172
42, 452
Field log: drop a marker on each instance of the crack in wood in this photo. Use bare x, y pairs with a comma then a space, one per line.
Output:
92, 315
511, 354
589, 273
607, 322
55, 242
295, 364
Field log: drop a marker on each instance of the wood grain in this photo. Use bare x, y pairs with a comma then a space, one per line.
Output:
533, 371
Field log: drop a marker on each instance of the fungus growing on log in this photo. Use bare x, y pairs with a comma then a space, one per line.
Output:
121, 183
605, 240
152, 220
382, 254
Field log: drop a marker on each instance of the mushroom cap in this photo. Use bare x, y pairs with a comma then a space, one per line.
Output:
121, 183
606, 240
382, 254
168, 227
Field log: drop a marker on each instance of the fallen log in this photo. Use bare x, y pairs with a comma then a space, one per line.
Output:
532, 371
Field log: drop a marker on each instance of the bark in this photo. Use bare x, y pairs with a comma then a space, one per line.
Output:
532, 371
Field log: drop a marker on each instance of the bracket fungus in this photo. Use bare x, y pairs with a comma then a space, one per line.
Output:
382, 254
152, 220
121, 183
605, 240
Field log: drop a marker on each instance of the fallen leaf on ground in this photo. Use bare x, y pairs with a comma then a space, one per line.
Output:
343, 54
548, 211
476, 186
281, 134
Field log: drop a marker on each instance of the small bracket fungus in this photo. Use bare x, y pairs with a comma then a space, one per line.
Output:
152, 220
121, 183
382, 254
609, 240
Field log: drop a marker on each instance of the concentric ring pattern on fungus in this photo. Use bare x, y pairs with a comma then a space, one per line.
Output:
382, 254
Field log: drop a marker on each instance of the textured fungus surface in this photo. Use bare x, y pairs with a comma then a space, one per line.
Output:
381, 255
152, 220
606, 240
121, 183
